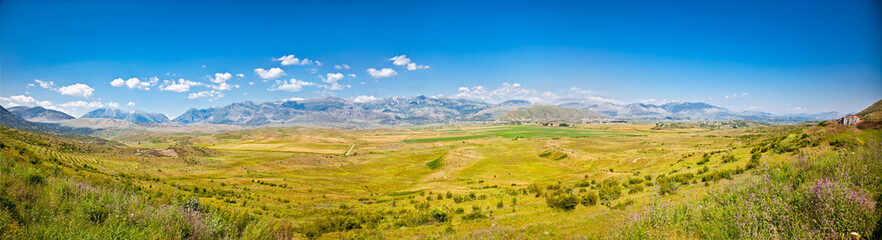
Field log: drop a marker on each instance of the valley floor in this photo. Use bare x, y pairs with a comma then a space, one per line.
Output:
475, 181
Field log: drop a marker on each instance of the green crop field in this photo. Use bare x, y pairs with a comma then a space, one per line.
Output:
457, 182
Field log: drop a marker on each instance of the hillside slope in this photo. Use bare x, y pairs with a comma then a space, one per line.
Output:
551, 113
873, 112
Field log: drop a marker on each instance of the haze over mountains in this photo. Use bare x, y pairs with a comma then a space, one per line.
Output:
39, 114
341, 112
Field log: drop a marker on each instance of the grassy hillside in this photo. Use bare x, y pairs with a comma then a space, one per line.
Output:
517, 182
873, 112
546, 113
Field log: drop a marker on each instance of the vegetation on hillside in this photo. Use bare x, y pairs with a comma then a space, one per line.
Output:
815, 196
873, 112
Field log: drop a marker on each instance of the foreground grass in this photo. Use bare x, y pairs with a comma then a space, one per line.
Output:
826, 196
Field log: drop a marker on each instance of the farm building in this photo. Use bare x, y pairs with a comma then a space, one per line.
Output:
850, 120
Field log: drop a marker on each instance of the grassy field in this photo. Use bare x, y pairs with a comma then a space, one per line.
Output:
442, 182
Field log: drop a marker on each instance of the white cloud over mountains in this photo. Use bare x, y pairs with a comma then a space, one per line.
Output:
45, 84
221, 77
211, 94
134, 83
382, 73
404, 61
272, 73
182, 85
515, 91
289, 60
292, 85
364, 98
77, 90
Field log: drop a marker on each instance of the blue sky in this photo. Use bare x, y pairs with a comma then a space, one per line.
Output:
778, 57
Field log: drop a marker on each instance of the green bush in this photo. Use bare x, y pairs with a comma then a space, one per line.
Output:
589, 199
565, 202
610, 190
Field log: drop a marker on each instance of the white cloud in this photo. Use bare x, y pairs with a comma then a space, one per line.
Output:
336, 86
403, 60
133, 83
23, 99
341, 66
657, 101
212, 94
293, 99
45, 84
332, 77
293, 85
364, 98
514, 91
223, 86
182, 85
221, 80
18, 100
77, 90
352, 75
250, 83
414, 67
737, 95
240, 75
385, 72
400, 60
119, 82
113, 104
220, 77
269, 74
82, 104
130, 104
289, 60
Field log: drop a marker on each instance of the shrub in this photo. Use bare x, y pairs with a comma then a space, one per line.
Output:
610, 190
729, 158
754, 161
635, 189
474, 215
589, 199
565, 202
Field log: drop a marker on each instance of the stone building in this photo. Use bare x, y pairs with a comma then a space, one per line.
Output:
850, 120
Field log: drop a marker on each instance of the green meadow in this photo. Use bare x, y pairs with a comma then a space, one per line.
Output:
610, 181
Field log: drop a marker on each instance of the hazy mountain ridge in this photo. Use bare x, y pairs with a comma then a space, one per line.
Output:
341, 112
39, 114
693, 111
132, 116
395, 110
551, 113
11, 120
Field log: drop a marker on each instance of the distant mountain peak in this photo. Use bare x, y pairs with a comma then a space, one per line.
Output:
134, 116
39, 114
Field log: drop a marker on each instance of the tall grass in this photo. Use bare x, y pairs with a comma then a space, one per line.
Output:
41, 203
816, 197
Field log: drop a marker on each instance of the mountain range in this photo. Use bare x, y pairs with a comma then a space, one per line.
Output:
131, 116
39, 114
341, 112
545, 113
